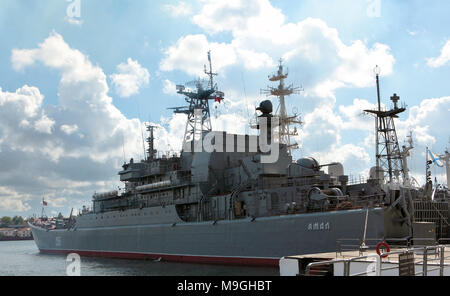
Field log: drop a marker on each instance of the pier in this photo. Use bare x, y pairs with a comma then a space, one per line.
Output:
408, 261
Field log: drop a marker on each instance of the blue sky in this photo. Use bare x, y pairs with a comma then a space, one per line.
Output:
330, 50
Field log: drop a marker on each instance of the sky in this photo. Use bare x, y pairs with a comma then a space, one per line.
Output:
80, 78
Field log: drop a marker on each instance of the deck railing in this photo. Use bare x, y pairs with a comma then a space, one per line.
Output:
432, 259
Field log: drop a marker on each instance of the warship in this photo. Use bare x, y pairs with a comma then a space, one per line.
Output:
234, 204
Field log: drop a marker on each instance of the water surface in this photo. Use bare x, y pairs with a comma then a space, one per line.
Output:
23, 258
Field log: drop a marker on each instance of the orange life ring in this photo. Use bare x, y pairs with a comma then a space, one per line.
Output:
386, 246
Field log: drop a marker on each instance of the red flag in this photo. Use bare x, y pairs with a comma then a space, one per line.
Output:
44, 203
217, 99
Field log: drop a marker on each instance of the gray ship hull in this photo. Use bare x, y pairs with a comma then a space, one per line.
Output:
261, 241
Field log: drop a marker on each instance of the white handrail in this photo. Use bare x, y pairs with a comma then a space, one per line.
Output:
379, 263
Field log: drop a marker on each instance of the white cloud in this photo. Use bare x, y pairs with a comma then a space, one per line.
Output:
321, 138
22, 58
355, 159
131, 77
170, 133
427, 121
21, 114
219, 16
44, 125
57, 202
83, 101
169, 87
358, 63
443, 59
26, 99
71, 149
181, 9
355, 118
189, 55
322, 135
261, 35
254, 60
231, 123
13, 201
322, 128
69, 129
370, 140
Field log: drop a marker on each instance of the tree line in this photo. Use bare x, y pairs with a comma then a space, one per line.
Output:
18, 220
7, 221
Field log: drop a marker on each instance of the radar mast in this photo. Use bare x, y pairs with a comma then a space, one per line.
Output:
198, 112
388, 155
151, 151
285, 120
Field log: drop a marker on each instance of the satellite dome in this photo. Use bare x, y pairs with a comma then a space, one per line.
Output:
265, 107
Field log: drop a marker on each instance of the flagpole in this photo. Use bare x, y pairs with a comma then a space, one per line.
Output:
43, 205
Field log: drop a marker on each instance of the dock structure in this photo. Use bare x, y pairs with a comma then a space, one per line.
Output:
418, 261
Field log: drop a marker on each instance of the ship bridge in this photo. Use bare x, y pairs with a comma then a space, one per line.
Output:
135, 171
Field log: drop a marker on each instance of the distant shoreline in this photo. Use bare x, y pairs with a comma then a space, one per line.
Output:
11, 239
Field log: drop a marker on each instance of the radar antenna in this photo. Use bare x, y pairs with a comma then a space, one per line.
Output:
389, 164
210, 73
198, 112
285, 120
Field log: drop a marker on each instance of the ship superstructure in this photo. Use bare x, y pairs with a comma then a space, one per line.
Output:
419, 204
227, 205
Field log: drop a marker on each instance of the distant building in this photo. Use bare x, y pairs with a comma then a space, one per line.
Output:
7, 231
24, 232
12, 232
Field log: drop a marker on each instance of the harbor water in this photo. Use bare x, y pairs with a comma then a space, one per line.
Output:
22, 258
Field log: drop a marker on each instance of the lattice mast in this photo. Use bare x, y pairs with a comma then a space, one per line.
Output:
389, 164
286, 121
151, 151
198, 112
